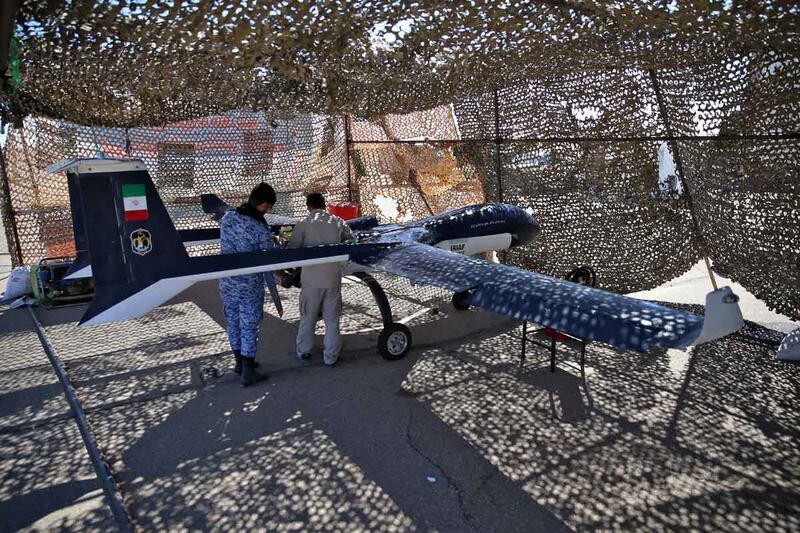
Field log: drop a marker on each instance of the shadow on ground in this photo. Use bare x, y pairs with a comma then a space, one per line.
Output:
46, 478
459, 436
668, 440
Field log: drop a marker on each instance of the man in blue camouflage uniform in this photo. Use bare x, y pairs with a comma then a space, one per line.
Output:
245, 230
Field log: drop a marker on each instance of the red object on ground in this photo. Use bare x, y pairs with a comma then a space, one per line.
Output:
345, 211
553, 334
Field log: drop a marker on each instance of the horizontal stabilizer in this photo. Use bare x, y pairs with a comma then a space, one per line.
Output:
132, 299
214, 205
81, 267
362, 223
199, 236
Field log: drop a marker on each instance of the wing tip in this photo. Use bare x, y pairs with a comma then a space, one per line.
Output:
723, 316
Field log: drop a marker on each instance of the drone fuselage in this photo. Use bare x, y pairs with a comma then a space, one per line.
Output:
471, 230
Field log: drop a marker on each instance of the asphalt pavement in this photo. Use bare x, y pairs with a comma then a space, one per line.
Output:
461, 435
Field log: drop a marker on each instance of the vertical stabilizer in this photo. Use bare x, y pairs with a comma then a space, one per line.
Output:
81, 267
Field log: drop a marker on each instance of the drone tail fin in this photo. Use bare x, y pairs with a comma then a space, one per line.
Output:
81, 267
132, 239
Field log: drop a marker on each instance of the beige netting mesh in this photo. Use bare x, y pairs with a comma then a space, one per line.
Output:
158, 61
573, 108
226, 154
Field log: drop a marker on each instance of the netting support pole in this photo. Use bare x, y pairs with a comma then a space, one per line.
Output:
682, 177
498, 140
348, 141
9, 217
789, 136
127, 142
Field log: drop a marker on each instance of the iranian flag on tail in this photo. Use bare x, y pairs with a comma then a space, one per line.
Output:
135, 200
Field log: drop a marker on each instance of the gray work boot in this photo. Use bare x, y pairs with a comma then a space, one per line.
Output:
249, 373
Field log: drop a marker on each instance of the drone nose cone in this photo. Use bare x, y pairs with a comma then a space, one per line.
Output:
527, 229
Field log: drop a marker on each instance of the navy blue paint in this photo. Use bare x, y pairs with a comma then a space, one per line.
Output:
108, 262
403, 250
378, 293
107, 295
82, 260
199, 234
214, 205
76, 206
78, 227
480, 220
461, 223
117, 271
362, 223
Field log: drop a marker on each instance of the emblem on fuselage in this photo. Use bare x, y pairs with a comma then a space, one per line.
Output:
141, 242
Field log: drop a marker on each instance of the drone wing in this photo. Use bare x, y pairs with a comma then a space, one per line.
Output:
584, 312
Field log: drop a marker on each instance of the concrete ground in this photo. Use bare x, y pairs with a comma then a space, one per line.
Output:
46, 478
458, 436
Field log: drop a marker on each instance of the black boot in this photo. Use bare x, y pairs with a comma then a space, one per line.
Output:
249, 373
238, 355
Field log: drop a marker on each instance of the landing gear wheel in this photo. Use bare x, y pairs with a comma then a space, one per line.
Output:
460, 300
394, 342
583, 275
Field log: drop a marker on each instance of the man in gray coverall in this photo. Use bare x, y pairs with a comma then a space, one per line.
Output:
321, 284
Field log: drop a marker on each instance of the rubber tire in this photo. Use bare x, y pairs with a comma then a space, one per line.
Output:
460, 300
583, 275
383, 341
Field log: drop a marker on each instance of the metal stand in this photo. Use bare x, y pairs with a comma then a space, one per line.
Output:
549, 338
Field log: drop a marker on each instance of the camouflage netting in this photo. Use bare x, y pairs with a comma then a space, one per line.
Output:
561, 106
